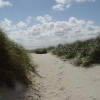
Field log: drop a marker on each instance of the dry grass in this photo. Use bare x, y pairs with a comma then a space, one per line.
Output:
14, 62
84, 53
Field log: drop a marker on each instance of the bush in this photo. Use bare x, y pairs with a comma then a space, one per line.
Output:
85, 52
50, 48
40, 51
77, 61
14, 62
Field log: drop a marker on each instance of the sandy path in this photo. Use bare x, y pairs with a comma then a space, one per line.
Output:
63, 81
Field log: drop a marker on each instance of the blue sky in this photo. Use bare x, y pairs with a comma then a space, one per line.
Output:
21, 9
15, 13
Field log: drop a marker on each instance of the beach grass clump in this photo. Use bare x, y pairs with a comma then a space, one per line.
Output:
40, 51
14, 62
84, 53
50, 48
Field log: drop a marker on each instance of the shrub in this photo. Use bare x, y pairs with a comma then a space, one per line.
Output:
85, 52
50, 48
40, 51
77, 61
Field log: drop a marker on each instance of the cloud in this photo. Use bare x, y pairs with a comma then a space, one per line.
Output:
21, 24
4, 3
50, 32
6, 24
28, 19
62, 4
44, 19
59, 7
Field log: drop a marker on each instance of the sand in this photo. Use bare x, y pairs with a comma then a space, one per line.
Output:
58, 80
63, 81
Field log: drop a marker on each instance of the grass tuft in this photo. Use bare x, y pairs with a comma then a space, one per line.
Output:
40, 51
14, 62
84, 53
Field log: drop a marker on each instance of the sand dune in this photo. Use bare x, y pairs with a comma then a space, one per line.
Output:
63, 81
20, 92
59, 81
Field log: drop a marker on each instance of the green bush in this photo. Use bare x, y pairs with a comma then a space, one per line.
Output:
85, 52
50, 48
14, 62
40, 51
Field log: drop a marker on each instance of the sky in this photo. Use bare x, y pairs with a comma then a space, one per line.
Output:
42, 23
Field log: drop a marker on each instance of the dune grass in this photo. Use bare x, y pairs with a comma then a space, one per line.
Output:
40, 51
14, 62
84, 53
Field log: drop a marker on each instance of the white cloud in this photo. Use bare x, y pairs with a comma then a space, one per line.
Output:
28, 20
4, 3
61, 4
21, 24
6, 23
44, 19
68, 5
50, 32
59, 7
61, 1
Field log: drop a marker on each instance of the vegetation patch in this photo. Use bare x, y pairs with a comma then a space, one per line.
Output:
40, 51
84, 53
14, 62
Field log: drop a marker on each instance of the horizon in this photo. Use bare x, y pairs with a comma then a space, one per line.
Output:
35, 24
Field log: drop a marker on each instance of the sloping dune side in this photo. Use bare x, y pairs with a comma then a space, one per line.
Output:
20, 91
15, 67
63, 81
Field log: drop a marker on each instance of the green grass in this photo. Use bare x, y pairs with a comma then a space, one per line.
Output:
14, 62
83, 53
40, 51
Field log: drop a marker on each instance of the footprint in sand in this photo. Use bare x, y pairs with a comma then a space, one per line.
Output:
61, 73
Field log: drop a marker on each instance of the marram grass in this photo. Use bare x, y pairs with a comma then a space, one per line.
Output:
14, 62
83, 53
